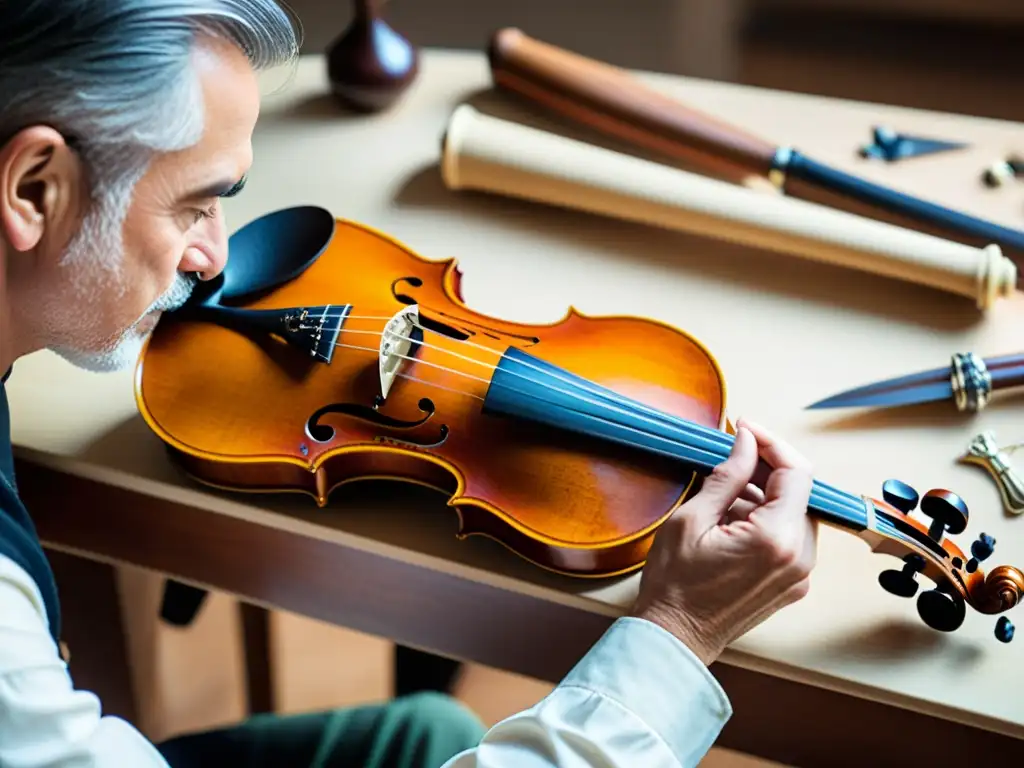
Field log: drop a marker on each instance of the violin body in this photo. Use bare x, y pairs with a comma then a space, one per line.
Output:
247, 410
327, 353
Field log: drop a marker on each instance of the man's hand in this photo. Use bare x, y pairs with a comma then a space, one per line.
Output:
733, 554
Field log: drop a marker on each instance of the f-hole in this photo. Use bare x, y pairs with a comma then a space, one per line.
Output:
324, 433
463, 333
405, 298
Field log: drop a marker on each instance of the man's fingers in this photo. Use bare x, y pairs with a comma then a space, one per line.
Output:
725, 483
752, 494
740, 510
775, 450
750, 499
789, 489
789, 486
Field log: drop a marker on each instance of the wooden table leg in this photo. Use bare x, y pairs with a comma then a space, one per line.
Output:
258, 672
417, 671
94, 632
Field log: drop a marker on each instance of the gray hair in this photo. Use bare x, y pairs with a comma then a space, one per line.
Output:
115, 76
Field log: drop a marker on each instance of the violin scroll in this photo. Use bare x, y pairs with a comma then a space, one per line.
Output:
926, 549
1002, 591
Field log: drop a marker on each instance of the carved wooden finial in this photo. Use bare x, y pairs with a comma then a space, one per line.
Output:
370, 65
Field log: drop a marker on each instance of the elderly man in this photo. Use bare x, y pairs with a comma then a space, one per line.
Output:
122, 125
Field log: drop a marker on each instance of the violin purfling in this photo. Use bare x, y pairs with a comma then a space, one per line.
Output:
328, 352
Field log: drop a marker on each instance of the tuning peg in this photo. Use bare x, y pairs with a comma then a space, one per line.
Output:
900, 495
947, 511
982, 549
1004, 630
902, 583
941, 609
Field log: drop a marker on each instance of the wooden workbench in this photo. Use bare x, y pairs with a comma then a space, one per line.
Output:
850, 662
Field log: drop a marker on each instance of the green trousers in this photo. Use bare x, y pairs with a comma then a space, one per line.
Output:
421, 730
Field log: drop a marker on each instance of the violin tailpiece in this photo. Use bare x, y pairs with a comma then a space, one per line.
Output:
984, 451
313, 330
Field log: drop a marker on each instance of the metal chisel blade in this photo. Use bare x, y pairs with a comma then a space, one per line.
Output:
924, 387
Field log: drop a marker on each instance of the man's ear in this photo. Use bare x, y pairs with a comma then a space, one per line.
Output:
39, 183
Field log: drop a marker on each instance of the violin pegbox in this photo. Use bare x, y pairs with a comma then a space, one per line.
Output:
957, 581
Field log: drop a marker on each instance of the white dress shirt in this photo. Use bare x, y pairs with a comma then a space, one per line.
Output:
638, 699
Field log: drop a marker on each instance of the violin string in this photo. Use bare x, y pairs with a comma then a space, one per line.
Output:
453, 390
410, 376
422, 362
652, 415
340, 314
434, 346
571, 393
714, 435
853, 505
850, 504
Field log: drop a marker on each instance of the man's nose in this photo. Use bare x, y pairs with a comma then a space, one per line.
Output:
219, 246
208, 259
205, 262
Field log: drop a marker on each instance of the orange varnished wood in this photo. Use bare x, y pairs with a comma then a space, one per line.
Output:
234, 409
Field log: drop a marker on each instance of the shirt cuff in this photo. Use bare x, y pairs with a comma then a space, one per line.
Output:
653, 674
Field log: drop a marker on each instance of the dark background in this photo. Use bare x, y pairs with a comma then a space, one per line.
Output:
951, 55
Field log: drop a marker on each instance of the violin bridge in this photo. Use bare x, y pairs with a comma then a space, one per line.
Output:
402, 335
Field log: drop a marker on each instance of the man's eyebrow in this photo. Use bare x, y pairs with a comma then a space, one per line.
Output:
220, 189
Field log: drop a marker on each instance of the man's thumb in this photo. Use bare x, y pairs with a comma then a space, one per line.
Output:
728, 480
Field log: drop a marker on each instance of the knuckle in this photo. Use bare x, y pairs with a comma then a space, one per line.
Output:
783, 555
721, 473
804, 471
800, 570
786, 556
800, 589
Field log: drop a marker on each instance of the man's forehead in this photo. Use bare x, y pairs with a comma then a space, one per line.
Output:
204, 170
230, 109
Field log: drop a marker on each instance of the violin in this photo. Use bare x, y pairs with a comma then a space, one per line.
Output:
328, 352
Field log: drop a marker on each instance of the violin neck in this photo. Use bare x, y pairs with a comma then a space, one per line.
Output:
526, 387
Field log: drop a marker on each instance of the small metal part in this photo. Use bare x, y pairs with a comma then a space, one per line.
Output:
1002, 170
971, 382
308, 329
780, 161
985, 452
891, 146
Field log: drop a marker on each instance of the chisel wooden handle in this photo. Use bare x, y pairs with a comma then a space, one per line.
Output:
484, 153
613, 101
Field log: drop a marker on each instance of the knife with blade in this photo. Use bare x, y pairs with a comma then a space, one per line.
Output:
968, 381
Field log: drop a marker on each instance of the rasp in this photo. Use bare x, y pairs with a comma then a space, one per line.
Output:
968, 381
